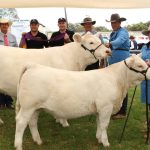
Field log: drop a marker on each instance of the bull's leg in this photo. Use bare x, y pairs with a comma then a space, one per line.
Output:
98, 132
22, 120
1, 121
63, 122
34, 128
103, 119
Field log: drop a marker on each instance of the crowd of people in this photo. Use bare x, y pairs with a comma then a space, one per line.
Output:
119, 42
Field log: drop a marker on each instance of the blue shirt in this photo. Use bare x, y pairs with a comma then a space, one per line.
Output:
145, 55
11, 39
120, 45
145, 52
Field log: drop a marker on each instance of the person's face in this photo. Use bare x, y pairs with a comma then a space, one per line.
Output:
4, 27
62, 25
115, 25
34, 27
88, 26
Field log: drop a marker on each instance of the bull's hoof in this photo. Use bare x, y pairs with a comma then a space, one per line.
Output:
19, 148
1, 122
39, 142
99, 140
65, 125
106, 144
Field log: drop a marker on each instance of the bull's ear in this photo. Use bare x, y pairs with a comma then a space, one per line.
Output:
131, 60
77, 37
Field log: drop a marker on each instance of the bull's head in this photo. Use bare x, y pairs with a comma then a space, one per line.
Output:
92, 46
138, 69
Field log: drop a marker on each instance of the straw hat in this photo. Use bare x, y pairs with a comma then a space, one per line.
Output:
88, 20
146, 32
116, 18
3, 20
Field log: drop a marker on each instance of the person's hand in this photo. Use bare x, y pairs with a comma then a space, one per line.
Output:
107, 45
66, 38
23, 33
147, 62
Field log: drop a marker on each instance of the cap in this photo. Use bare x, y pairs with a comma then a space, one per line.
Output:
61, 20
35, 21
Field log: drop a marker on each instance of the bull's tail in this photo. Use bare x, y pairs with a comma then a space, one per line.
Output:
25, 68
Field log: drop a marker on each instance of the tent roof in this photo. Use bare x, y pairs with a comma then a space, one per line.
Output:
76, 3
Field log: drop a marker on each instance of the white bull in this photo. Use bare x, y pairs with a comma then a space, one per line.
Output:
68, 94
72, 56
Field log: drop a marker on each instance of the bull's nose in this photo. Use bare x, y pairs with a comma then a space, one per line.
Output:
108, 52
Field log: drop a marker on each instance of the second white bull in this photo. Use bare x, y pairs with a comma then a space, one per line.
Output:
69, 94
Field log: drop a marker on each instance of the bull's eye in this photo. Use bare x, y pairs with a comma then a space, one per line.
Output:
91, 43
140, 66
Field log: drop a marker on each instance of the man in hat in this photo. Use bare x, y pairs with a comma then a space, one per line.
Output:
145, 54
34, 39
88, 27
120, 45
6, 39
63, 36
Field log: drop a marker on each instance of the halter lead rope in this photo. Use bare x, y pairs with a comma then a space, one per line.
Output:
143, 72
92, 51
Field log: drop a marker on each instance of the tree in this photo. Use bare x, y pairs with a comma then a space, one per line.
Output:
138, 27
78, 28
9, 13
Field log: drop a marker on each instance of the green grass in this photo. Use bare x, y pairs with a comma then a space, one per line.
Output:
81, 133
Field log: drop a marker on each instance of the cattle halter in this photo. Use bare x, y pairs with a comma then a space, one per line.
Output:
143, 72
92, 51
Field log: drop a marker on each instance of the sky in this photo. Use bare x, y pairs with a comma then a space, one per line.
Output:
49, 16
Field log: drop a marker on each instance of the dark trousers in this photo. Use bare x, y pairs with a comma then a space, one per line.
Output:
123, 109
5, 100
92, 66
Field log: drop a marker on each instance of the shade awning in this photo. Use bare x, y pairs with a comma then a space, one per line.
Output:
75, 3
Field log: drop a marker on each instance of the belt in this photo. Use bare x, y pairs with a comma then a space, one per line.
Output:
122, 49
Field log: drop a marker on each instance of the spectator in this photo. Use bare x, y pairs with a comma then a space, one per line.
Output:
34, 39
120, 45
88, 27
133, 43
145, 53
6, 39
62, 36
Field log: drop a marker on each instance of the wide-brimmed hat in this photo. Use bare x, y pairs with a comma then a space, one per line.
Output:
87, 20
116, 18
3, 20
146, 32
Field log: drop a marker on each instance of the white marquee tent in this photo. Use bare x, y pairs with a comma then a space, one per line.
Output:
75, 3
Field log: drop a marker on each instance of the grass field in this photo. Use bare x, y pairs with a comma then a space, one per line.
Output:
81, 133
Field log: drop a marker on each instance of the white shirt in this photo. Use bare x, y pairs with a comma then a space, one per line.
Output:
11, 39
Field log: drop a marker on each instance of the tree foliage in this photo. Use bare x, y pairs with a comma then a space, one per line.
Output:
78, 28
138, 27
9, 13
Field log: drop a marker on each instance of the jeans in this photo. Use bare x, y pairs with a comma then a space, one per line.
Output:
5, 100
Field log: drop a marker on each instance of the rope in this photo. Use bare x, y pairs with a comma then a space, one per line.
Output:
127, 116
